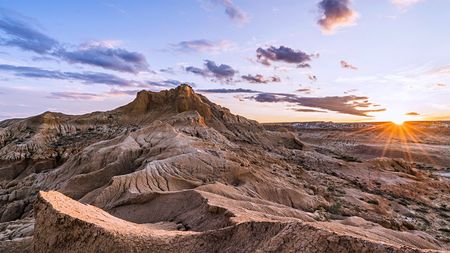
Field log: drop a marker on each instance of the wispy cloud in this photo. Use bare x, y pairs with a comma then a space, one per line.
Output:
202, 46
168, 70
74, 95
440, 85
350, 91
405, 3
305, 90
227, 91
423, 77
346, 65
117, 92
444, 70
284, 54
168, 83
335, 13
307, 110
232, 11
85, 77
412, 114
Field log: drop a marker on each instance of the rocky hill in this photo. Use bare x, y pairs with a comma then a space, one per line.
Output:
172, 171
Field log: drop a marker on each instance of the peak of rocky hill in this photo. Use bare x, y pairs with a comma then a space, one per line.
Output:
177, 100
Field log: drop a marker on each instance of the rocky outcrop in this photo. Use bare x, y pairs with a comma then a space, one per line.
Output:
64, 225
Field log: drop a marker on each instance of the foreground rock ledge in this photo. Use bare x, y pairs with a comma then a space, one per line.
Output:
66, 225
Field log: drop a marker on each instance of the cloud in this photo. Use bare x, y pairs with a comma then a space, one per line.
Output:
307, 110
412, 114
312, 78
232, 11
283, 54
350, 91
168, 70
168, 83
347, 65
222, 72
335, 13
440, 85
17, 33
258, 78
202, 45
445, 70
405, 3
197, 71
116, 92
227, 91
305, 90
106, 57
86, 77
73, 95
341, 104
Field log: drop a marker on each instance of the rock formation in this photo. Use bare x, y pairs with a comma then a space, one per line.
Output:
172, 171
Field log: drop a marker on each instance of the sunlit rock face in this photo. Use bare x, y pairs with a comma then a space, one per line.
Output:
172, 171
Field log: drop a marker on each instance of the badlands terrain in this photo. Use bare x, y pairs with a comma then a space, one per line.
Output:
173, 172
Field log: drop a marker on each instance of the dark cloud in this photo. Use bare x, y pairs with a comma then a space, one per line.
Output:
222, 72
232, 11
201, 45
74, 95
258, 78
305, 90
284, 54
86, 77
312, 78
412, 114
197, 71
105, 57
16, 33
341, 104
307, 110
226, 91
347, 65
335, 13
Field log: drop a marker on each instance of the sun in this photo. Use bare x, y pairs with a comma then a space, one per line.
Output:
398, 122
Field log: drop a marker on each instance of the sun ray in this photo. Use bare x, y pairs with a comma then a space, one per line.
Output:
424, 152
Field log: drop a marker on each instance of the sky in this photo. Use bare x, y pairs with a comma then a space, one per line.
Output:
271, 61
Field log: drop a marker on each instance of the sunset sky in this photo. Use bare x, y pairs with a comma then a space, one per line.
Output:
284, 60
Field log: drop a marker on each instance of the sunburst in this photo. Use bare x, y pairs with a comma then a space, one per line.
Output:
402, 133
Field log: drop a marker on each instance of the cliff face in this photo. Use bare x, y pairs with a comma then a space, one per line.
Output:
172, 170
